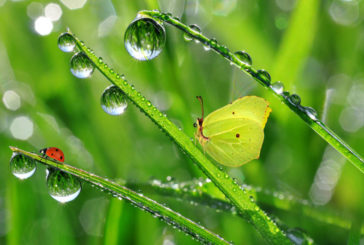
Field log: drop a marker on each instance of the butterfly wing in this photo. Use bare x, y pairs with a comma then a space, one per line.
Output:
235, 132
249, 107
237, 141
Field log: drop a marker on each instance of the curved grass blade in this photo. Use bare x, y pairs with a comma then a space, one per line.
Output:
163, 213
202, 192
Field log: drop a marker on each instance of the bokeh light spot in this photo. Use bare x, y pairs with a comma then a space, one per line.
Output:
74, 4
53, 11
21, 128
11, 100
43, 26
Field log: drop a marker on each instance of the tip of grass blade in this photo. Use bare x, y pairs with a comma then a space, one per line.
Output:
13, 148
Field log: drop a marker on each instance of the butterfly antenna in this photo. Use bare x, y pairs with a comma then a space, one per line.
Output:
201, 102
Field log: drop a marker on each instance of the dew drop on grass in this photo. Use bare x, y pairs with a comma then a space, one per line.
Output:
22, 166
144, 39
63, 186
311, 113
298, 236
66, 42
187, 36
244, 57
264, 75
81, 65
206, 46
294, 99
277, 87
113, 101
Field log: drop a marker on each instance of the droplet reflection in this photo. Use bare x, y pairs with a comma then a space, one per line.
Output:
144, 39
81, 65
66, 42
113, 101
63, 186
22, 166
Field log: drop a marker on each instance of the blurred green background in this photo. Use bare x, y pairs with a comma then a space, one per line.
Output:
315, 47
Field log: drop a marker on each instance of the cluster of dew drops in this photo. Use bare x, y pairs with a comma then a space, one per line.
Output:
113, 100
145, 38
62, 186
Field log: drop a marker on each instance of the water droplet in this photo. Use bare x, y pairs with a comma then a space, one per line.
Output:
244, 57
311, 112
187, 36
144, 39
113, 101
66, 42
22, 166
264, 76
298, 236
81, 65
294, 99
277, 87
206, 47
63, 186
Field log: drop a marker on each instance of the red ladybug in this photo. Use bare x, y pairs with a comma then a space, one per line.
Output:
53, 153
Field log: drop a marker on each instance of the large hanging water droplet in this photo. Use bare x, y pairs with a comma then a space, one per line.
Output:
63, 186
244, 57
264, 76
187, 36
144, 39
81, 65
294, 99
277, 87
311, 113
113, 101
22, 166
66, 42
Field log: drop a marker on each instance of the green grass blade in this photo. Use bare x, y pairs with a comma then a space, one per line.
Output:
256, 216
163, 213
319, 127
202, 192
354, 236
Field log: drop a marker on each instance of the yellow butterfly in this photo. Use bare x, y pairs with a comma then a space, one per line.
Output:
234, 134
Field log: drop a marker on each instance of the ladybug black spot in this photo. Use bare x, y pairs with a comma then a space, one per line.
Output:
56, 149
52, 154
61, 157
237, 135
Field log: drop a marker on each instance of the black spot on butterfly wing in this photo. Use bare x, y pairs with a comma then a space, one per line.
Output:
237, 135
